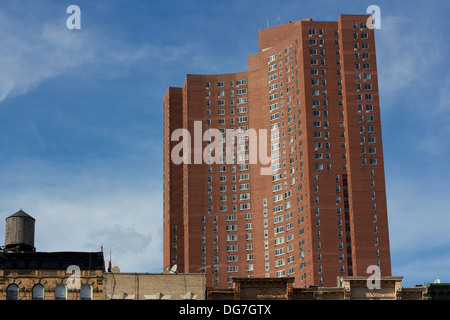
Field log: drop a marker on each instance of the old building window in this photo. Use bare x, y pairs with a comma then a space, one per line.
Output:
60, 292
86, 292
38, 292
12, 292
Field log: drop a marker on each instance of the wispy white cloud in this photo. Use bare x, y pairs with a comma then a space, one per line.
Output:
409, 53
32, 53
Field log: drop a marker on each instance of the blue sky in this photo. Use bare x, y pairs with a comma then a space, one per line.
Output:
81, 116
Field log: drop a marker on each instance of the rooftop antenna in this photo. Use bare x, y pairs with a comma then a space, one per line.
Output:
278, 18
109, 262
267, 23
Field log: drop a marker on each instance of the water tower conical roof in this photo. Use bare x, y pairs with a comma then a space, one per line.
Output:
21, 213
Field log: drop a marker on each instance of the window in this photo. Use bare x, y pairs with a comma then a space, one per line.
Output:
12, 293
241, 100
60, 292
244, 206
272, 67
273, 96
38, 292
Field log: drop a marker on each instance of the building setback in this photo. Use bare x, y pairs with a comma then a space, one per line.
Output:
320, 211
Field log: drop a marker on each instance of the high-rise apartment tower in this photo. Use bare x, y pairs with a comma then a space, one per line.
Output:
318, 209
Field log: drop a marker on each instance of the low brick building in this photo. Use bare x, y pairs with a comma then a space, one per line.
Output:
29, 275
51, 275
153, 286
348, 288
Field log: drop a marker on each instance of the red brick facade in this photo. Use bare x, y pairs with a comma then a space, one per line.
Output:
322, 213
